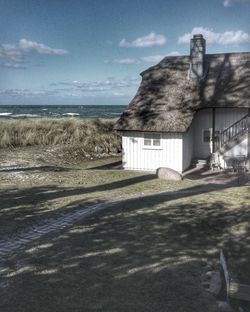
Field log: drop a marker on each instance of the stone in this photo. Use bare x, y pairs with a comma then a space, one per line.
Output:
168, 174
224, 306
215, 283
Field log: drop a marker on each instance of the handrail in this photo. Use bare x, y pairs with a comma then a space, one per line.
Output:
244, 117
234, 130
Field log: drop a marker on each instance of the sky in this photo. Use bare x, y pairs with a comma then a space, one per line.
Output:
93, 51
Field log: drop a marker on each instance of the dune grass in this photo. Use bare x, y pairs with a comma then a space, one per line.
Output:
89, 135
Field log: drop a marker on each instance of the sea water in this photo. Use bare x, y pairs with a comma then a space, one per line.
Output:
59, 111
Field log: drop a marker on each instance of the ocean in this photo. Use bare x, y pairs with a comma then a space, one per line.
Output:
59, 111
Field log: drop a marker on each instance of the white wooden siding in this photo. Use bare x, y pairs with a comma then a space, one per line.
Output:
224, 117
188, 147
177, 149
136, 156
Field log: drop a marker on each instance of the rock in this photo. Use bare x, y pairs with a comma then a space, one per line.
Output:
209, 273
168, 174
224, 306
215, 283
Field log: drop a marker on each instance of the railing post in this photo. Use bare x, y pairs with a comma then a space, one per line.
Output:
213, 130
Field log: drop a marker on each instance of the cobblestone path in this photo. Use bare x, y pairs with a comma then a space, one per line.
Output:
50, 225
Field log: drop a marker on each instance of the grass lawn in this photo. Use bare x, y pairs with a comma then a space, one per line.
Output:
147, 253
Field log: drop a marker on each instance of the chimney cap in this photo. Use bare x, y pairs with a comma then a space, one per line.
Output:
198, 36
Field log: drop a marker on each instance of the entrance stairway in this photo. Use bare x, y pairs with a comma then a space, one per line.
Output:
224, 141
231, 135
227, 139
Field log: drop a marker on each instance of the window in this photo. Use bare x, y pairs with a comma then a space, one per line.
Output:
207, 136
152, 140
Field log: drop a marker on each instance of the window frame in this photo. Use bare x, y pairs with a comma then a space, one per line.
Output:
210, 135
149, 136
217, 135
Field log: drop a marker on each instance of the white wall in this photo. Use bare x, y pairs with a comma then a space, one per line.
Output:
188, 147
203, 120
138, 157
178, 149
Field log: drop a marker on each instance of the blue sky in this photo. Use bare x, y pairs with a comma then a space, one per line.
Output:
92, 51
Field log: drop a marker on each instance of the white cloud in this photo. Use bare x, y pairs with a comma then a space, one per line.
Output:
11, 53
110, 84
157, 58
110, 88
12, 65
174, 53
228, 37
150, 40
126, 61
228, 3
30, 46
119, 94
26, 92
152, 58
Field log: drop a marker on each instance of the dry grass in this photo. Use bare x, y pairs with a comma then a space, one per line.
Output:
90, 136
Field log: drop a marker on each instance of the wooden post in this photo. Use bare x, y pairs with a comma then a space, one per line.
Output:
223, 263
213, 130
234, 290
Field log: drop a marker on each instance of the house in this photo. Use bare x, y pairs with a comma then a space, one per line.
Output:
188, 108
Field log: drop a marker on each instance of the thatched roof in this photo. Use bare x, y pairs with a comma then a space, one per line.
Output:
167, 100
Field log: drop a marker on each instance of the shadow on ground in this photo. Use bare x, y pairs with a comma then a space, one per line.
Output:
35, 168
113, 165
143, 254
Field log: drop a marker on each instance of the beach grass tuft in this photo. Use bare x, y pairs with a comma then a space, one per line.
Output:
89, 135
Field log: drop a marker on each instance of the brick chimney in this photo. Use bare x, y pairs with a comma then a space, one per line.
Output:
197, 57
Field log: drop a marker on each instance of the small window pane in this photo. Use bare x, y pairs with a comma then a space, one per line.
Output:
206, 136
152, 139
147, 142
156, 142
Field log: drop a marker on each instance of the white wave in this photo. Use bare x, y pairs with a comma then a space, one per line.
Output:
5, 114
44, 109
25, 116
71, 114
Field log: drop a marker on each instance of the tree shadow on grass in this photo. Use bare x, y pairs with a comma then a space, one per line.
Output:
34, 168
20, 208
139, 255
113, 165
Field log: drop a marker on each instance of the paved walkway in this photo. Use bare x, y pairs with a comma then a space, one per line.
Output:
50, 225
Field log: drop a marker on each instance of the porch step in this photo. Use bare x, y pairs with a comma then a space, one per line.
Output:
199, 163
